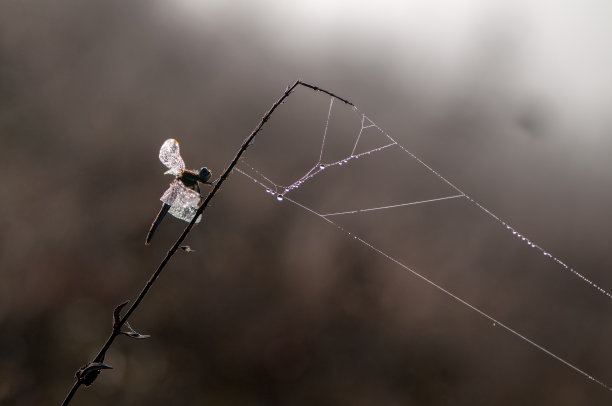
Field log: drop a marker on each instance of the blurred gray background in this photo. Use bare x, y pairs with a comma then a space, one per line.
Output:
509, 100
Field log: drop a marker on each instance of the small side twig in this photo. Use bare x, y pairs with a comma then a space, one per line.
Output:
87, 374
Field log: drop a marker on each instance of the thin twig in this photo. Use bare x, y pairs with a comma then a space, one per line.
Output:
118, 324
318, 89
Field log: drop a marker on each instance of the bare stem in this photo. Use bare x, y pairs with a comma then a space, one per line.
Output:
117, 327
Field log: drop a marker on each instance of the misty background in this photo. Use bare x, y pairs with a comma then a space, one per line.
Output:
508, 100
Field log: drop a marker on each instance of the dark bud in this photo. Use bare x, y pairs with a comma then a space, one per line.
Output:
88, 374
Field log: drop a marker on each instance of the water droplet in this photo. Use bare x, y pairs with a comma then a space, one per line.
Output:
321, 166
268, 191
279, 197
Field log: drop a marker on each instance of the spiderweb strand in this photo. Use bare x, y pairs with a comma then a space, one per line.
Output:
274, 188
331, 103
435, 285
359, 135
391, 206
282, 191
319, 167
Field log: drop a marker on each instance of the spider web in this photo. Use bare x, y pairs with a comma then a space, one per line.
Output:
347, 171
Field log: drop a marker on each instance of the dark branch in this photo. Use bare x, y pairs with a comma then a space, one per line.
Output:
118, 323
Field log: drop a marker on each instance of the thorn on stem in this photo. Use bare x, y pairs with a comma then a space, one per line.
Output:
88, 373
117, 320
132, 333
117, 314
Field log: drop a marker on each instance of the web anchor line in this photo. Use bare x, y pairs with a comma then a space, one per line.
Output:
507, 226
495, 321
282, 192
320, 166
455, 297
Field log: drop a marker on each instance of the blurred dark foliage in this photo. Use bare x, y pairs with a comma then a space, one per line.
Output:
274, 306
